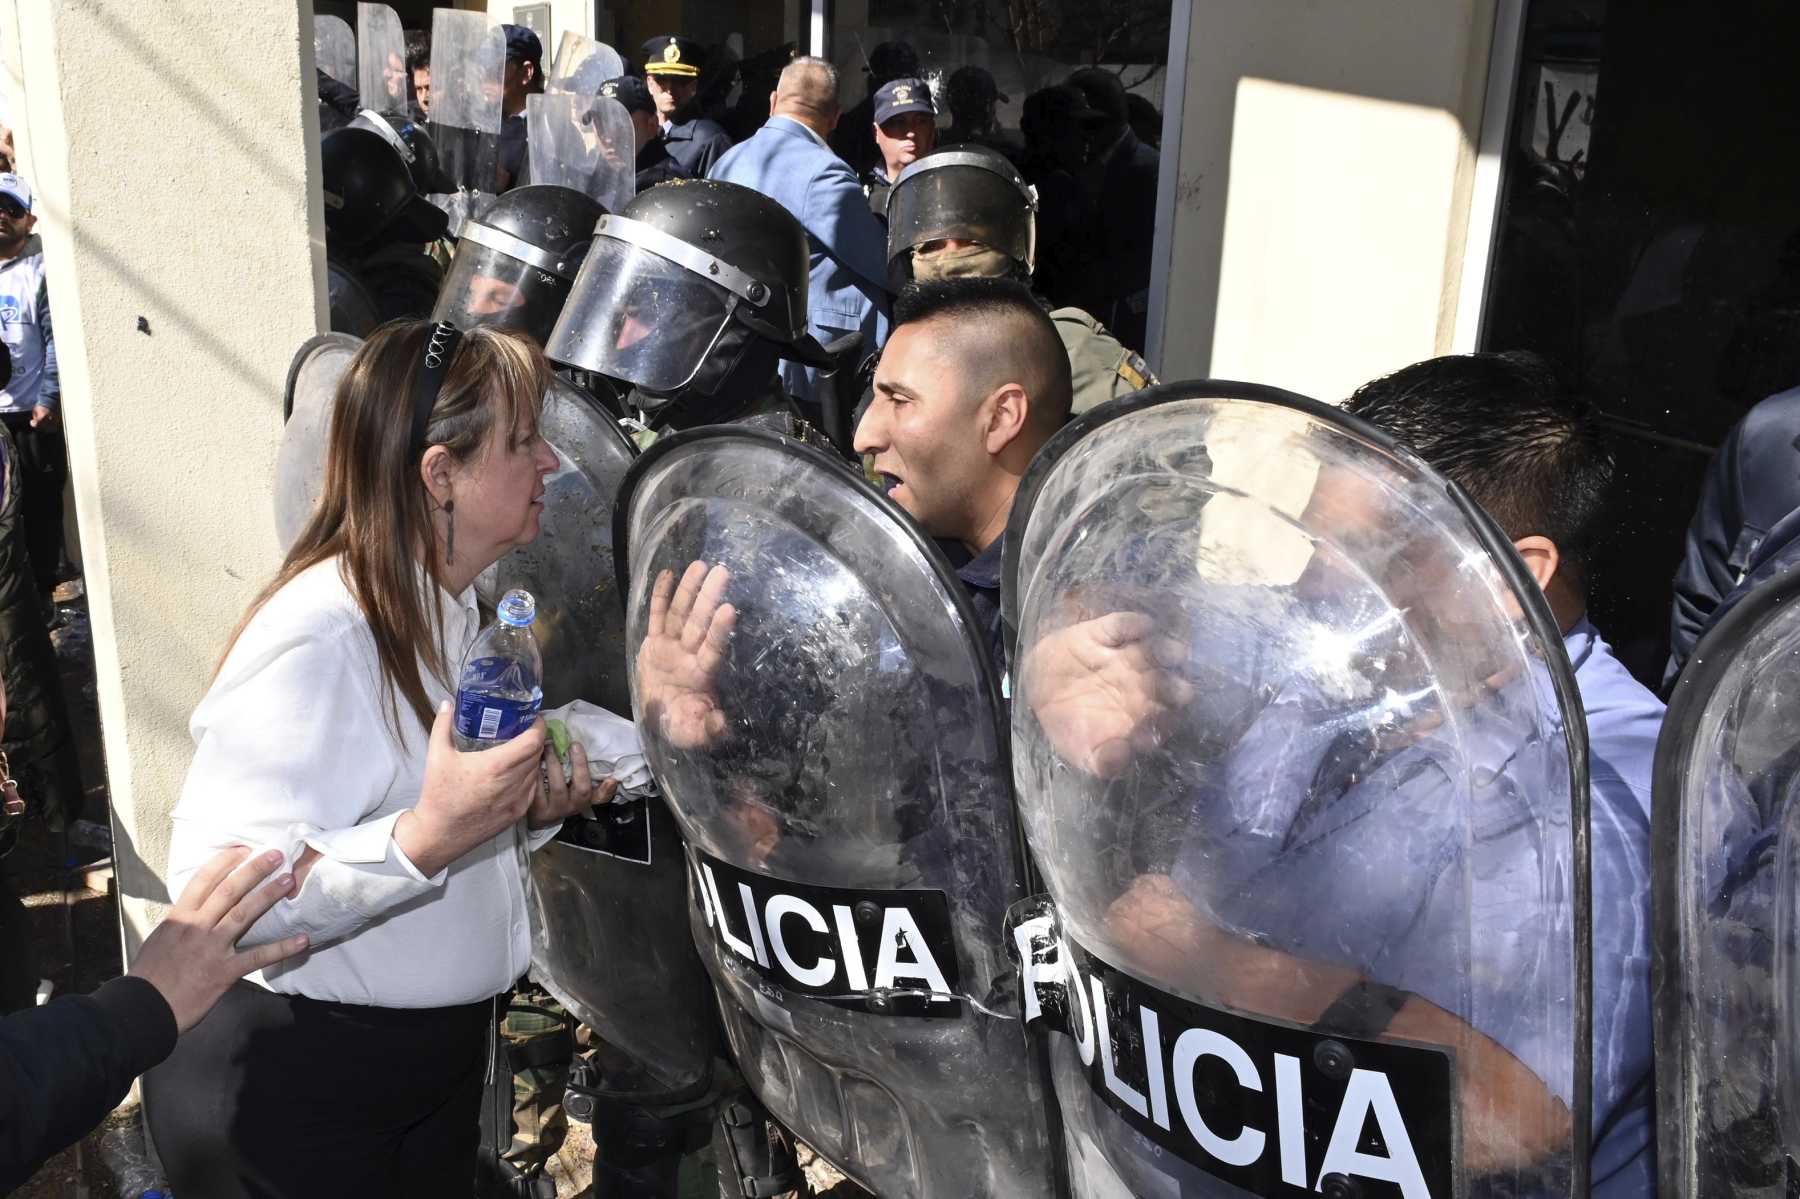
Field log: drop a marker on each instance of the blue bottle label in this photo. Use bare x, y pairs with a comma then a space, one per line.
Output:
481, 715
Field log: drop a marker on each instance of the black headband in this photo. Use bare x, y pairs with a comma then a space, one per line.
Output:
439, 352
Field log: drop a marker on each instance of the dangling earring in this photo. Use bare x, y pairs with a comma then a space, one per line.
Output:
449, 531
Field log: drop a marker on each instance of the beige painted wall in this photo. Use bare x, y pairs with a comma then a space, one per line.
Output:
1322, 187
168, 142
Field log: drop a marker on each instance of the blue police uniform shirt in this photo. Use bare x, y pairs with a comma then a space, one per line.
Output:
1304, 821
980, 577
1623, 719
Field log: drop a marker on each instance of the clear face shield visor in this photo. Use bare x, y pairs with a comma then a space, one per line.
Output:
648, 308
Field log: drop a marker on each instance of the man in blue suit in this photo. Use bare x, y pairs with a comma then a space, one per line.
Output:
788, 160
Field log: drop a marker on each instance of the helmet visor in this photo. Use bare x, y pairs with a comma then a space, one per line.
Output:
488, 287
637, 316
960, 203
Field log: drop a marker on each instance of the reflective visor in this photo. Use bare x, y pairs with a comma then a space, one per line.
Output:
636, 316
488, 287
964, 202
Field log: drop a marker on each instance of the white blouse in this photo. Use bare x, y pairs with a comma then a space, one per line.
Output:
294, 746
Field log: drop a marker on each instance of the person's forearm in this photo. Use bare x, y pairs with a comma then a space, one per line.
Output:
344, 879
63, 1066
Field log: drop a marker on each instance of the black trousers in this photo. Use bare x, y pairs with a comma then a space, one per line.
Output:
43, 475
273, 1095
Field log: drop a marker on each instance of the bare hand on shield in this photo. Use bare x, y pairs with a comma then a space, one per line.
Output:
1104, 689
684, 646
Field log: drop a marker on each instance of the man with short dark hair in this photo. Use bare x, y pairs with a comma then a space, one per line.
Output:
672, 74
524, 76
418, 67
972, 382
1502, 428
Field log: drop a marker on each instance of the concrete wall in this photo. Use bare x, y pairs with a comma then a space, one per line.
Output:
1321, 187
170, 144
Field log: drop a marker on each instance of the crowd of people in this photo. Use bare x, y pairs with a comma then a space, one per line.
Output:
928, 305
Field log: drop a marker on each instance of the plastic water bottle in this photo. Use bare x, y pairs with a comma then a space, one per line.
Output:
498, 692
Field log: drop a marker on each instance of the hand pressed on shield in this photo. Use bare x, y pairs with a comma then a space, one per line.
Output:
564, 794
684, 646
1105, 690
192, 956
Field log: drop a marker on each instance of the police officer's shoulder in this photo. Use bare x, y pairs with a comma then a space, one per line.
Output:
1101, 367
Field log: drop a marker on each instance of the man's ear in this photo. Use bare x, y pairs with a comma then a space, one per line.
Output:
1008, 411
1542, 558
772, 97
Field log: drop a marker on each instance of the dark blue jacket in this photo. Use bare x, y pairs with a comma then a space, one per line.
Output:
1753, 482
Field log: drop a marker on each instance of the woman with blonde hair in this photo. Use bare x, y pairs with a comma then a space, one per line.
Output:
357, 1068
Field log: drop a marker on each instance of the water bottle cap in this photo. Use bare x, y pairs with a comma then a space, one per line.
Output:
517, 608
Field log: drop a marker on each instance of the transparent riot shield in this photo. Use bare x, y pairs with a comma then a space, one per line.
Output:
582, 65
1726, 837
468, 65
307, 402
334, 48
582, 142
837, 762
382, 80
1298, 752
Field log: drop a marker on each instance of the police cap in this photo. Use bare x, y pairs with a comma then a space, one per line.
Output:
671, 55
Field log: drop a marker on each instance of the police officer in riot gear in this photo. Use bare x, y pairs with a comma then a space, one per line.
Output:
1304, 770
689, 298
412, 142
515, 263
377, 225
966, 210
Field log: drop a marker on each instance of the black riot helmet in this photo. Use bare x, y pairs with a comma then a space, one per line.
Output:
370, 199
515, 263
966, 193
414, 145
695, 286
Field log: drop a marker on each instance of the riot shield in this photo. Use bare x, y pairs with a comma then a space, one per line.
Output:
1298, 751
848, 815
382, 80
582, 65
307, 402
468, 65
334, 48
1726, 844
582, 142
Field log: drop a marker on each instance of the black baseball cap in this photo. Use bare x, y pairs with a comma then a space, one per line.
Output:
898, 96
631, 91
522, 45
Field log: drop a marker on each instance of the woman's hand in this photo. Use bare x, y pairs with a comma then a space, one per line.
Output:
468, 798
563, 796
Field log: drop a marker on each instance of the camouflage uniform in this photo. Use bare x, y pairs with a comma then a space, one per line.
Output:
1100, 366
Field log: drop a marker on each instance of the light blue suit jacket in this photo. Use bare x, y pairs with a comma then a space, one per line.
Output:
847, 289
